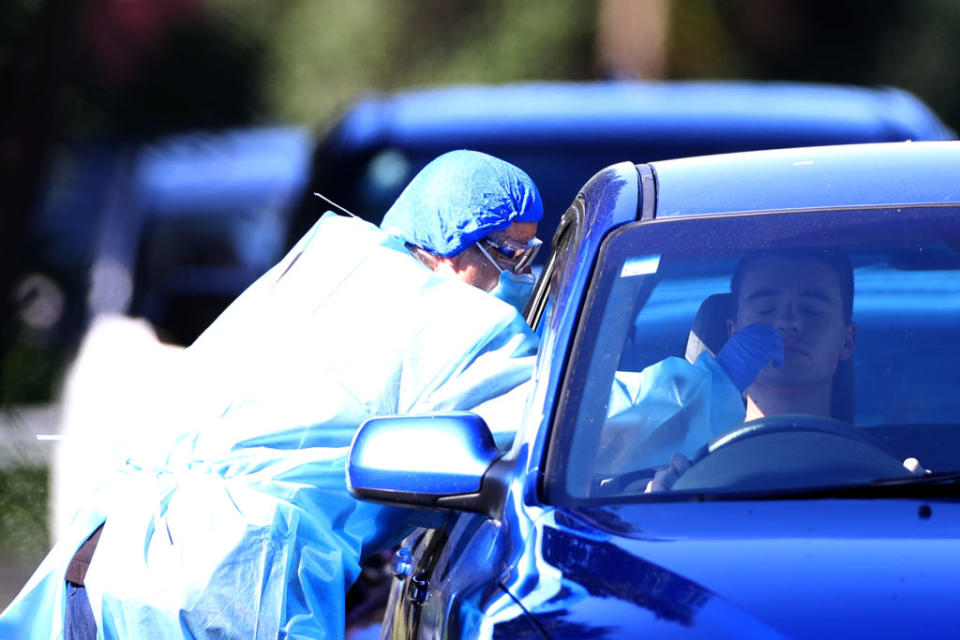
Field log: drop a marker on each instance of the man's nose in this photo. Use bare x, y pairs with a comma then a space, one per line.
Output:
787, 320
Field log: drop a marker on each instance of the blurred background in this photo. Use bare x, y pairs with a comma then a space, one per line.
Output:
157, 155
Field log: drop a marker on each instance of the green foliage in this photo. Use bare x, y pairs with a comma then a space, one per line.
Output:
317, 56
23, 513
320, 55
903, 43
917, 54
249, 61
15, 15
30, 371
701, 44
205, 75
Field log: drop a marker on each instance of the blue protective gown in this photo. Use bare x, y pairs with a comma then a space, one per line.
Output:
244, 527
672, 406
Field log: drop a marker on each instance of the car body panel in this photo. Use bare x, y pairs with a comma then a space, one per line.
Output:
882, 175
737, 114
757, 569
618, 188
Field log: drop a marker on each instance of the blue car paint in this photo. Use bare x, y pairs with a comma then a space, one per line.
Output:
736, 114
881, 175
880, 567
806, 569
618, 188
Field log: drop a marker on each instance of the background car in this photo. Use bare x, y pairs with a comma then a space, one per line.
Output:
169, 231
562, 132
790, 526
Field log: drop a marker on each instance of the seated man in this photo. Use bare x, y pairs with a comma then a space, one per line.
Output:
790, 327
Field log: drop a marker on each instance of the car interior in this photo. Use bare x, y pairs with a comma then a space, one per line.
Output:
898, 389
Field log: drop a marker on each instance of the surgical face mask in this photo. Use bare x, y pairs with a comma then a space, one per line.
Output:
513, 288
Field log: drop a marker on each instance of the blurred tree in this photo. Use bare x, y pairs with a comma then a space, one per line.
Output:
903, 43
632, 38
38, 41
319, 55
103, 70
161, 66
915, 52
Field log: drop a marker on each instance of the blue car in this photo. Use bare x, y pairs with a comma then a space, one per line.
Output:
170, 231
839, 521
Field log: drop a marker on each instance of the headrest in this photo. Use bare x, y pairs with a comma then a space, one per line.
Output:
709, 330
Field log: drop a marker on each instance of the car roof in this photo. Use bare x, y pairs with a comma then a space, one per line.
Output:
228, 170
862, 175
591, 112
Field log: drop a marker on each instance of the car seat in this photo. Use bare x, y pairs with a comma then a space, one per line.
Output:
709, 332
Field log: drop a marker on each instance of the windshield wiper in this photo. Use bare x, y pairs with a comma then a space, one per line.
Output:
939, 477
943, 484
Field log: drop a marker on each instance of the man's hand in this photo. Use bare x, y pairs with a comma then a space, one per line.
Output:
664, 478
748, 351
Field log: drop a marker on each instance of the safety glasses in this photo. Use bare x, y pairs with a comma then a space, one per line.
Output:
518, 254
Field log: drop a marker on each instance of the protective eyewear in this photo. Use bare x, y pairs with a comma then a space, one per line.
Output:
518, 254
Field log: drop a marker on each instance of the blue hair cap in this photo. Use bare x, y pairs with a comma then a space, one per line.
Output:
460, 198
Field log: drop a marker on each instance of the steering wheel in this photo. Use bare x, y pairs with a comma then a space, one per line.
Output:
789, 451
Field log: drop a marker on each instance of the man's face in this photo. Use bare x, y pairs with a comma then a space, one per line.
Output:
476, 269
801, 299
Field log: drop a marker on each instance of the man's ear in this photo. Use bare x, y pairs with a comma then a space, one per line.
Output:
730, 325
849, 341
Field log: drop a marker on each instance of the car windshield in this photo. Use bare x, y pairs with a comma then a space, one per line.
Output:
867, 378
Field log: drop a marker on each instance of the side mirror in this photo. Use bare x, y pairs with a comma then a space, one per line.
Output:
440, 461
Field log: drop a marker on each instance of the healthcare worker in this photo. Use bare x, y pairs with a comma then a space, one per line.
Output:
243, 528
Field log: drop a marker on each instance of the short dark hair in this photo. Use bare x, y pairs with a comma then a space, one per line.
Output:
836, 259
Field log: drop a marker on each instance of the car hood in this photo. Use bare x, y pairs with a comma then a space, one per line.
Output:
829, 568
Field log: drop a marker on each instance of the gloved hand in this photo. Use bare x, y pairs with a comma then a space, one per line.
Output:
748, 351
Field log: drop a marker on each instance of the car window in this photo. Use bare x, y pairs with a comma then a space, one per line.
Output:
646, 383
551, 277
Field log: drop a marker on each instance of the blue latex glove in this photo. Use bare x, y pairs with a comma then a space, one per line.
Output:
748, 351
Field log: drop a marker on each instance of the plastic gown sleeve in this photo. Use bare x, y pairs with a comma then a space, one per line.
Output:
669, 407
245, 529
